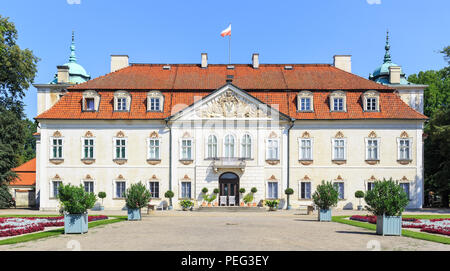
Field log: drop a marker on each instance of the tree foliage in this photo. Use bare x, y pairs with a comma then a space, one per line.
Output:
74, 199
137, 196
325, 195
386, 198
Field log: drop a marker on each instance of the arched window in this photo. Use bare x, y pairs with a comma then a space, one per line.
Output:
229, 146
212, 146
246, 145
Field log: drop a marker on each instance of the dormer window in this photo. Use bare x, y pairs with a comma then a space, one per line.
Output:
122, 101
305, 101
155, 101
371, 101
338, 101
91, 99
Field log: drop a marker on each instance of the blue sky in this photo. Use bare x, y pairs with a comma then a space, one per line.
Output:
280, 31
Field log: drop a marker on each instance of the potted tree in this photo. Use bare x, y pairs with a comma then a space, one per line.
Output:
359, 195
325, 197
253, 190
75, 202
241, 193
387, 200
210, 199
272, 204
186, 204
289, 191
216, 191
204, 196
169, 194
136, 197
248, 199
102, 195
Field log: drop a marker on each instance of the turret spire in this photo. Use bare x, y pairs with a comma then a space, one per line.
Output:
72, 58
387, 55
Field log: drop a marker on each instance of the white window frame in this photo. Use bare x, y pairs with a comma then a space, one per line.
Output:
301, 103
52, 189
378, 140
115, 145
115, 189
369, 109
343, 187
120, 105
181, 190
300, 157
191, 147
234, 146
153, 104
399, 139
52, 146
277, 185
89, 181
83, 146
268, 147
245, 144
149, 146
333, 153
300, 190
159, 189
213, 145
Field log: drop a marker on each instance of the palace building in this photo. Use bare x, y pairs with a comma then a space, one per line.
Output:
183, 127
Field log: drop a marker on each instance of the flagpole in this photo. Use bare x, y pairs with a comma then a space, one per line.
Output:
229, 49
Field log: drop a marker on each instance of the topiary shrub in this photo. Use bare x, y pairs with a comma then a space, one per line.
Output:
137, 196
242, 190
254, 190
204, 190
74, 199
216, 191
102, 195
169, 194
325, 195
386, 198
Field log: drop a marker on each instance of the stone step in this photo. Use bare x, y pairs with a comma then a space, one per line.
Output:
231, 209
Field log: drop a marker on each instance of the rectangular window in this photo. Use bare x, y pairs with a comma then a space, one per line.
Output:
155, 104
305, 104
121, 104
404, 149
186, 149
56, 185
120, 147
338, 104
154, 189
153, 152
88, 148
89, 104
372, 149
338, 149
120, 189
57, 148
272, 190
186, 190
89, 187
272, 149
305, 149
305, 190
339, 186
405, 187
371, 104
370, 186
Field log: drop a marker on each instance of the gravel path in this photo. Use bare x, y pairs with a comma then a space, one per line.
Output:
176, 230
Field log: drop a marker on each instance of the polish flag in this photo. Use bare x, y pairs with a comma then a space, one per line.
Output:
226, 32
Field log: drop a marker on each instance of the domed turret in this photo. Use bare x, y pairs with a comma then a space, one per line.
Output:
77, 74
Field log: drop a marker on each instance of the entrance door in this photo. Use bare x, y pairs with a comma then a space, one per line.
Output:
229, 186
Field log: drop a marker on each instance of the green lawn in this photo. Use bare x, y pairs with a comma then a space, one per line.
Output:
408, 233
55, 232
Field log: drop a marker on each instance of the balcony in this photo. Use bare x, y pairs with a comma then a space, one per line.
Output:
228, 163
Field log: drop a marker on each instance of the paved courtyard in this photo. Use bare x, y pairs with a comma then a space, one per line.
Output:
177, 230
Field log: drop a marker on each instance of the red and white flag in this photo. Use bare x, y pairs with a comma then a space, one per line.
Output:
226, 32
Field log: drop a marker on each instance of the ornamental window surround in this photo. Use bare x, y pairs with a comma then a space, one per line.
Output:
305, 147
305, 190
246, 146
88, 147
120, 187
338, 101
211, 147
404, 147
186, 149
154, 188
305, 101
371, 101
91, 101
229, 146
57, 146
154, 147
272, 190
120, 143
372, 147
122, 101
339, 147
155, 101
339, 185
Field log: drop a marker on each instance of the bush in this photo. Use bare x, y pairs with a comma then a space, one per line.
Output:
137, 196
272, 203
289, 191
186, 204
204, 190
386, 197
248, 198
169, 194
6, 200
74, 199
102, 195
254, 190
216, 191
359, 194
325, 196
242, 190
210, 198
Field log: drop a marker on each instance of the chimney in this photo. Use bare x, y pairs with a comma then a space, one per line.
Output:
204, 60
118, 62
63, 74
255, 61
394, 74
343, 62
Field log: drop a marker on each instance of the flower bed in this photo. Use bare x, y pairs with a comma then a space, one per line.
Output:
12, 226
439, 225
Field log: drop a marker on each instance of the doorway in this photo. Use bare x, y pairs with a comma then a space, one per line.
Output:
229, 186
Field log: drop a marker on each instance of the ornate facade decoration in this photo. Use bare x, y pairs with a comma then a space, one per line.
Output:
88, 177
88, 134
339, 178
154, 134
228, 105
404, 134
120, 134
57, 134
306, 178
339, 135
404, 179
372, 134
306, 135
56, 177
120, 177
272, 178
372, 178
273, 135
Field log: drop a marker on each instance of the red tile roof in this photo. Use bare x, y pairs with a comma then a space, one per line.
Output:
270, 83
26, 174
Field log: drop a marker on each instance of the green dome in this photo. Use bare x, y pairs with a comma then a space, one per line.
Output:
383, 69
77, 74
